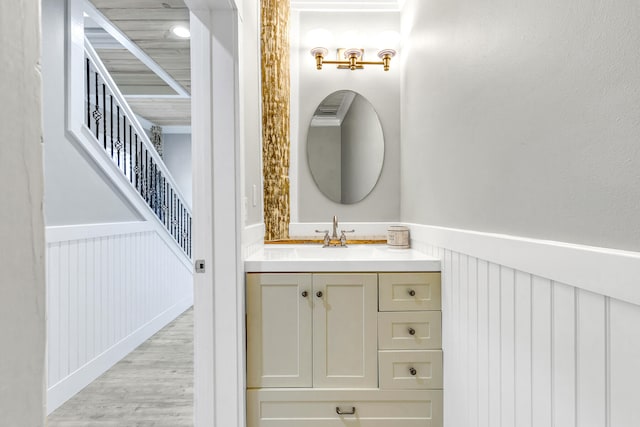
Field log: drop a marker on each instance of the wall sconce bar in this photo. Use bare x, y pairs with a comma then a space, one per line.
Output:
352, 58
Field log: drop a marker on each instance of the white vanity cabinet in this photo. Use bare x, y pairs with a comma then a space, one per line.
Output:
279, 330
339, 349
312, 330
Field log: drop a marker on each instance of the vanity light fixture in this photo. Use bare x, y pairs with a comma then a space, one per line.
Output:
352, 58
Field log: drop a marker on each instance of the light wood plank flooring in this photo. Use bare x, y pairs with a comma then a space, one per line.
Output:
152, 386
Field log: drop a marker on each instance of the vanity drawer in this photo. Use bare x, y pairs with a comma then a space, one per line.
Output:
411, 330
317, 408
409, 291
410, 369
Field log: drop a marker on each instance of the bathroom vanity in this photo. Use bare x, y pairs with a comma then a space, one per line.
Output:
343, 337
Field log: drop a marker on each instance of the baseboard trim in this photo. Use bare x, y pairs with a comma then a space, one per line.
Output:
610, 272
65, 389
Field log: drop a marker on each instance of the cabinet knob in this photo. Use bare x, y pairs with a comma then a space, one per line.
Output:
304, 294
412, 292
413, 371
412, 331
319, 294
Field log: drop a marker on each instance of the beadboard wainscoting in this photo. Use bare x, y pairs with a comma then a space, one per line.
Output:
522, 349
109, 288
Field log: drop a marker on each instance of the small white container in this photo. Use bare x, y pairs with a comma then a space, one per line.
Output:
398, 237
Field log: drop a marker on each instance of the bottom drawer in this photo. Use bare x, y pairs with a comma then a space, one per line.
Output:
317, 408
410, 369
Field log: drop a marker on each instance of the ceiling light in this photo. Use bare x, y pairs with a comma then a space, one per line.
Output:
181, 31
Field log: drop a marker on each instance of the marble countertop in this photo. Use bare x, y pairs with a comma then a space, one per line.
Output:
356, 258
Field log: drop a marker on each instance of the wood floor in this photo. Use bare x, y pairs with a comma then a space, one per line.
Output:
152, 386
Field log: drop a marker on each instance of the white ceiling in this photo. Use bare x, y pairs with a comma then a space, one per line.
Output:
147, 24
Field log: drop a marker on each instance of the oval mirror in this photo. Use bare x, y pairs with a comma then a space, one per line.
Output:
345, 147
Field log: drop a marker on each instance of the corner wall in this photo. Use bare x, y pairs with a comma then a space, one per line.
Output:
523, 118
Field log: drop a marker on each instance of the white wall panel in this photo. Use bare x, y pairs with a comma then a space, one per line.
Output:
106, 295
591, 361
624, 369
522, 350
522, 337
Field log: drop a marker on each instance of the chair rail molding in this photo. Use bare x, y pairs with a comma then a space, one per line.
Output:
608, 272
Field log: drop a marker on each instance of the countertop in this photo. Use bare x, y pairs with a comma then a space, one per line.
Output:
356, 258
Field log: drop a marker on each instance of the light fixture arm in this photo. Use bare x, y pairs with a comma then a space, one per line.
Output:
352, 58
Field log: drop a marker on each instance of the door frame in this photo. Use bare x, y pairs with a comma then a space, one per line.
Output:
219, 395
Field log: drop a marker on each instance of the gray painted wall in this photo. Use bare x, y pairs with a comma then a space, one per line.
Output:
22, 266
177, 158
523, 118
75, 191
380, 88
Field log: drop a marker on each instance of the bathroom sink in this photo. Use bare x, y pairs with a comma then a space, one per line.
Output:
290, 258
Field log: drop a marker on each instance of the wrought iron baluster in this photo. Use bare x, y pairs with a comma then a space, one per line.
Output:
153, 185
182, 232
88, 76
189, 245
96, 113
130, 155
146, 175
124, 145
118, 141
104, 122
165, 204
111, 122
137, 167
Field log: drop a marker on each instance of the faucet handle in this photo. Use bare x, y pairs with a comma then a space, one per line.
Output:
343, 237
326, 239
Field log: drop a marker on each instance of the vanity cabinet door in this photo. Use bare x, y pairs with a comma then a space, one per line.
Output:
345, 330
279, 332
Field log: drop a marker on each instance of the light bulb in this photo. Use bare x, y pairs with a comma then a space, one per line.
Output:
181, 31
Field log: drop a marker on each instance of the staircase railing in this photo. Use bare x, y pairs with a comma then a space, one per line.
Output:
118, 132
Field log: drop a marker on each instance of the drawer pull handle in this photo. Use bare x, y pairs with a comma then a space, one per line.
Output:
413, 371
319, 294
304, 294
341, 412
412, 292
412, 331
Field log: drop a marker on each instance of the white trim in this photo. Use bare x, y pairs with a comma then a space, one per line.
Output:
166, 130
252, 239
610, 272
144, 123
171, 130
62, 391
64, 233
253, 234
135, 50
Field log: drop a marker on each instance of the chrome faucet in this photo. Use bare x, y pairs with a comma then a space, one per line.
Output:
327, 239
